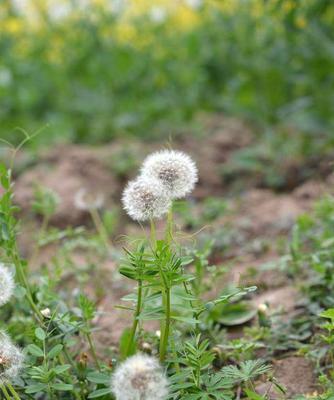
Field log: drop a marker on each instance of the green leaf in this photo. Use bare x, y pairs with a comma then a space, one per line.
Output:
62, 386
124, 342
253, 396
19, 292
55, 351
187, 320
328, 314
35, 350
98, 377
99, 393
60, 369
40, 334
38, 387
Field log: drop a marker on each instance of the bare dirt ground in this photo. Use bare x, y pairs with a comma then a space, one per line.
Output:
260, 217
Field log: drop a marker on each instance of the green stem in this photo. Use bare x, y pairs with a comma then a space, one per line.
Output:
153, 234
62, 360
176, 364
3, 388
169, 229
68, 357
100, 227
42, 231
13, 391
136, 316
92, 349
164, 338
24, 282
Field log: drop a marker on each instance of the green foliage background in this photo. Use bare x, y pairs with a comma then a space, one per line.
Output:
80, 76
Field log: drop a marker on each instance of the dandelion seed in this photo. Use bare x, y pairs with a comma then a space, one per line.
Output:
174, 169
86, 201
11, 359
145, 198
140, 377
7, 284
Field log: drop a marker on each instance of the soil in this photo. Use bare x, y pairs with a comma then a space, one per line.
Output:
295, 375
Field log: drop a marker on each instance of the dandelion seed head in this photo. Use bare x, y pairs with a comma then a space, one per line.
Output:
11, 359
174, 169
140, 377
145, 198
83, 200
7, 284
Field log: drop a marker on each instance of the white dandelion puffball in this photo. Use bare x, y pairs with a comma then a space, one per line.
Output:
140, 377
7, 284
11, 359
145, 198
174, 169
85, 201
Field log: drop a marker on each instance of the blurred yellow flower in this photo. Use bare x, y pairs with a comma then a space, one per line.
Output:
228, 6
126, 32
185, 17
288, 5
301, 22
12, 25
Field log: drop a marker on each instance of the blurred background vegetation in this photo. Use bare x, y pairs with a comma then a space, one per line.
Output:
94, 70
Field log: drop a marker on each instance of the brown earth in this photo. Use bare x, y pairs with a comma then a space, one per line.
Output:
295, 375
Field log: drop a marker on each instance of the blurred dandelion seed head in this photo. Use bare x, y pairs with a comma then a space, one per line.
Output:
11, 359
158, 14
83, 200
7, 284
174, 169
145, 198
139, 377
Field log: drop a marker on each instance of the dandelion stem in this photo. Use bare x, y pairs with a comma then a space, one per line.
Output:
164, 338
42, 232
169, 229
24, 282
135, 320
176, 364
100, 227
92, 349
153, 234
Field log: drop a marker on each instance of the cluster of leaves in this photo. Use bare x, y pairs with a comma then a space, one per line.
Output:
199, 381
312, 253
311, 260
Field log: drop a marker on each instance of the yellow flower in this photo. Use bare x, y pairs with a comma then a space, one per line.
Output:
289, 5
301, 22
12, 25
126, 32
185, 17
